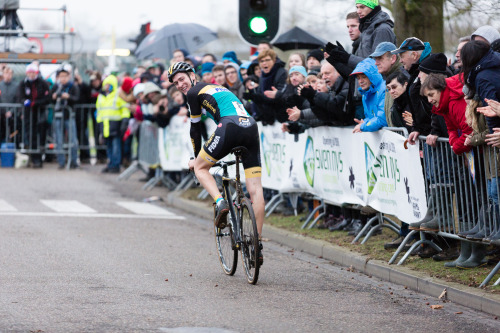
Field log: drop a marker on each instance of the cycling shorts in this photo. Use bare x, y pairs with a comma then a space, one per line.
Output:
231, 132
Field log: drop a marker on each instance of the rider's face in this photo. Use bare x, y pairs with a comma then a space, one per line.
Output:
182, 82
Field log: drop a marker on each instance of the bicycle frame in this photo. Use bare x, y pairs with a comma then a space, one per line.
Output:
235, 225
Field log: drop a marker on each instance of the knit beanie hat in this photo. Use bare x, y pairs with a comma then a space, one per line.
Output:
32, 68
299, 69
139, 88
435, 63
317, 54
231, 56
487, 32
207, 67
127, 85
368, 3
232, 64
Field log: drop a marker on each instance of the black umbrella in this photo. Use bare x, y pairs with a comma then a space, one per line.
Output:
162, 43
296, 38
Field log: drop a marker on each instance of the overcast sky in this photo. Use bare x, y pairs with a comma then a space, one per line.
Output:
95, 19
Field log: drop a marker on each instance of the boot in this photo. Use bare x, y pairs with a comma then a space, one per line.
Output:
354, 225
477, 257
341, 225
448, 254
443, 220
430, 211
495, 237
484, 229
465, 253
493, 223
151, 174
472, 231
432, 225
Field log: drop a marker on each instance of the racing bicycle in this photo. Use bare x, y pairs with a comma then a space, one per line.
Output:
240, 233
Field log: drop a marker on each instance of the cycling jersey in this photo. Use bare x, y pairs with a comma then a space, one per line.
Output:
214, 101
235, 127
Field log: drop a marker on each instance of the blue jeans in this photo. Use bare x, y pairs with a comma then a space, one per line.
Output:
492, 188
60, 128
114, 150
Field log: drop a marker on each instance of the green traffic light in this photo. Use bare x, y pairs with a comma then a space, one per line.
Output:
258, 25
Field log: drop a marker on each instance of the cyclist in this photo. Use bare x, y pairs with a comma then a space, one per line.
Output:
235, 127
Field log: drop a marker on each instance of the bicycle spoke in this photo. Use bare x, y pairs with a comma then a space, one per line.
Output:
249, 241
228, 255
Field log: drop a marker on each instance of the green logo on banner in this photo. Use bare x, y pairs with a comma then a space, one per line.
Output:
309, 161
371, 163
266, 150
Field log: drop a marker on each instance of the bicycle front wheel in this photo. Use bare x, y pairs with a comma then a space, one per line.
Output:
249, 241
226, 248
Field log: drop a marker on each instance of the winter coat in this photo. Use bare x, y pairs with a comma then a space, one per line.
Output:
60, 109
238, 89
397, 66
395, 115
331, 107
8, 91
485, 78
373, 97
424, 121
452, 107
376, 27
266, 106
37, 92
111, 110
478, 138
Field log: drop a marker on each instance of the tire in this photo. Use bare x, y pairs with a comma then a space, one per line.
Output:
250, 241
228, 254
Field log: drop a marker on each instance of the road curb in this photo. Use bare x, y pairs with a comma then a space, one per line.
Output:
473, 298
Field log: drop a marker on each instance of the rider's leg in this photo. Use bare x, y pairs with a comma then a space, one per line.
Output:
201, 169
254, 187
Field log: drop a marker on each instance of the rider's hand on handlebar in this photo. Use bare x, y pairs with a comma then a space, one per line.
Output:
191, 164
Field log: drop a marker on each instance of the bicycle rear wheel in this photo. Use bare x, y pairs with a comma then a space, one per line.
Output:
226, 248
249, 241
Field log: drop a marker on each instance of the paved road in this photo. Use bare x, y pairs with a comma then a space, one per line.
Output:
79, 253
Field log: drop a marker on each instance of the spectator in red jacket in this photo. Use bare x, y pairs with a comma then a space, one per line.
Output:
447, 99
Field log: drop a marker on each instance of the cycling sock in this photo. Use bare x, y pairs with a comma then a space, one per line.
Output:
218, 198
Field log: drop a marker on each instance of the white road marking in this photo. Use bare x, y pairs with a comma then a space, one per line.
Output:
67, 206
6, 207
93, 215
142, 208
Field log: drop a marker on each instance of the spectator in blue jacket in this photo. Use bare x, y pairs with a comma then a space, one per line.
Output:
372, 89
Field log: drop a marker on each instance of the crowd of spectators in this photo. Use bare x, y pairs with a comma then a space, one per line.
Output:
378, 84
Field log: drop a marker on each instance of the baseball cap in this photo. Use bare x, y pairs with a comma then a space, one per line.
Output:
383, 48
410, 44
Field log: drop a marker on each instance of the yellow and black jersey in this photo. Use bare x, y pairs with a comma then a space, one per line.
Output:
214, 101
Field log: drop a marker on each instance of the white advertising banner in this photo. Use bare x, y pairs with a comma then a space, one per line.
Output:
364, 168
175, 144
333, 163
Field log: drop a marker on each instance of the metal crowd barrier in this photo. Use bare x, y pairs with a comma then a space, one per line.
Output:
33, 131
462, 195
147, 154
88, 132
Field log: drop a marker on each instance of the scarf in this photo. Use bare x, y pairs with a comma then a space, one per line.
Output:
266, 79
365, 21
